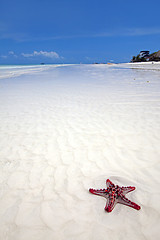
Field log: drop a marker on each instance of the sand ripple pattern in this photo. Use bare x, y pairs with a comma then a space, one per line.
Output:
67, 129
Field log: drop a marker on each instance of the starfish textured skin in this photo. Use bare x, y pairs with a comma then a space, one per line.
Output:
115, 194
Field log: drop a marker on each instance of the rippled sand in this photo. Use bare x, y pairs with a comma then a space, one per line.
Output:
65, 129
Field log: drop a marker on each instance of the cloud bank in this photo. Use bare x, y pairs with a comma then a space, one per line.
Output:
51, 54
34, 55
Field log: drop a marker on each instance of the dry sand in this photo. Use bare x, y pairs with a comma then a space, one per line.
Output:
64, 129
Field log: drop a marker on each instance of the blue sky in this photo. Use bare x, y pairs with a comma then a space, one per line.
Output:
74, 31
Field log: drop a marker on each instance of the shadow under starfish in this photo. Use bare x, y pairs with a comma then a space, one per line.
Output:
115, 194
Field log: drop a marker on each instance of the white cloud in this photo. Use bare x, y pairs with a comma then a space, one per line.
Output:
128, 32
22, 37
3, 56
51, 54
141, 31
11, 53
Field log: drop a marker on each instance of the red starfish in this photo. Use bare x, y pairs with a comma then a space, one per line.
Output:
115, 194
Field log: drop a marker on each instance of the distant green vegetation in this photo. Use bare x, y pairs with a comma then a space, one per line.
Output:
138, 59
144, 56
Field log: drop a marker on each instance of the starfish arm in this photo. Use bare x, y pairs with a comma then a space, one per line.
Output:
109, 183
127, 189
111, 202
123, 200
99, 192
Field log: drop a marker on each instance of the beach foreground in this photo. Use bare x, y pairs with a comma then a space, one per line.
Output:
65, 129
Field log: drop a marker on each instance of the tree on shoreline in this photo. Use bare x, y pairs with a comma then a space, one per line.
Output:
145, 58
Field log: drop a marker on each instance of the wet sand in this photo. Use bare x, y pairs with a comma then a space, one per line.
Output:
65, 129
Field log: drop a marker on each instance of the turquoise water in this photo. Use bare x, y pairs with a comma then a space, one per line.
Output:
7, 71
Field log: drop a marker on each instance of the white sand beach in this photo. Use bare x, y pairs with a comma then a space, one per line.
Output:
67, 128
